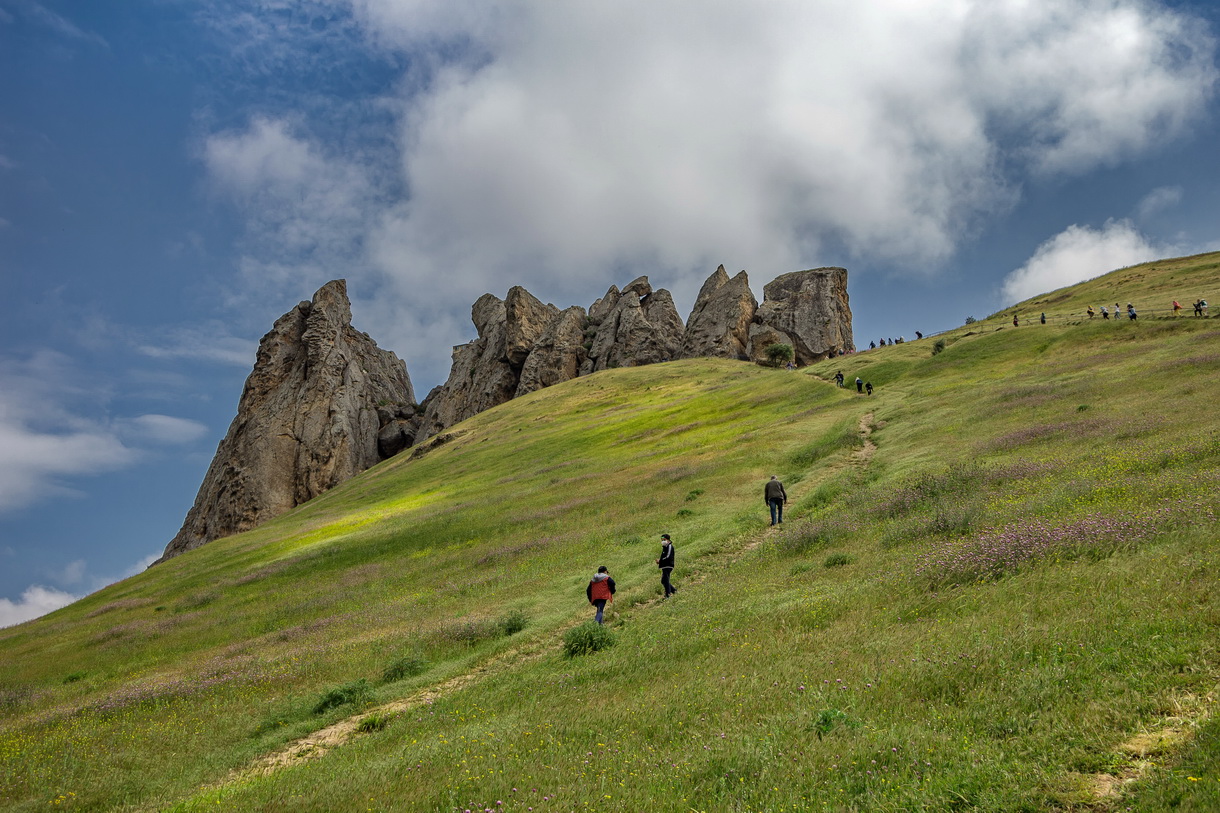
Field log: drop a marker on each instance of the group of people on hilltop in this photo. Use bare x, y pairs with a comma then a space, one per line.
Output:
602, 588
890, 342
1200, 308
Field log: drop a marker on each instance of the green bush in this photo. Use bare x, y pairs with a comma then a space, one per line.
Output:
779, 354
838, 560
828, 720
586, 639
939, 347
405, 667
357, 692
374, 722
513, 622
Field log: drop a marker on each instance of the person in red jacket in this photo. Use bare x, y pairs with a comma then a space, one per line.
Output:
599, 591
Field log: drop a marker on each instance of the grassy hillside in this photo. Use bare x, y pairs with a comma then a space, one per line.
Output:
996, 591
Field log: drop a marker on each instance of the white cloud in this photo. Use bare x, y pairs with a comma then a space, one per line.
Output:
566, 146
35, 601
163, 429
209, 341
51, 431
57, 23
41, 442
584, 138
1159, 200
72, 573
1079, 253
307, 210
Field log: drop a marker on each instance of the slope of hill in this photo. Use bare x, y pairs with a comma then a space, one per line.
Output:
995, 591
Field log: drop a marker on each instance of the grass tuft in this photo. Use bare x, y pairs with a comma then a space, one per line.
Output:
356, 692
586, 639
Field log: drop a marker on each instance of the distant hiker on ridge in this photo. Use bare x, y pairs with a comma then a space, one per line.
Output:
599, 591
775, 496
666, 563
868, 387
859, 384
1015, 322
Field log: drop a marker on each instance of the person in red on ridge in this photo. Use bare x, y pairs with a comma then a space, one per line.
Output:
599, 591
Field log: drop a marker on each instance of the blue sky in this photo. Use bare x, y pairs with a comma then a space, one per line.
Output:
175, 175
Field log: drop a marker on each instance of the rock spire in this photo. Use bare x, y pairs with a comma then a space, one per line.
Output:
308, 419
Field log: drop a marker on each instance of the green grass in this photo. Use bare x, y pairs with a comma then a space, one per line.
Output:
980, 616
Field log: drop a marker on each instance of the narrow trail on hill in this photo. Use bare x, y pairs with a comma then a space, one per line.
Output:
1152, 749
318, 743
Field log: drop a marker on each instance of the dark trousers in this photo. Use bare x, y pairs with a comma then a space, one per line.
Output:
600, 604
669, 588
777, 510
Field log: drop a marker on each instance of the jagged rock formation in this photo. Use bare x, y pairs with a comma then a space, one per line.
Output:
324, 403
806, 309
524, 345
719, 324
311, 416
558, 354
487, 371
634, 326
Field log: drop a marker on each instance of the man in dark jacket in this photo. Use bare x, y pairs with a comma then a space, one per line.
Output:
666, 563
599, 591
775, 496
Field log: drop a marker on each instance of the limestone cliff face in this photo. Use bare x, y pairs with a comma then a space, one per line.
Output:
308, 419
719, 324
806, 309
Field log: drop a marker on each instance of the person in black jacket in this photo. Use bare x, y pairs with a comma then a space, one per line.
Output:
599, 591
775, 496
666, 563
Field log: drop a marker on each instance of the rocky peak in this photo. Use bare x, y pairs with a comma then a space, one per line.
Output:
806, 309
636, 326
719, 324
307, 420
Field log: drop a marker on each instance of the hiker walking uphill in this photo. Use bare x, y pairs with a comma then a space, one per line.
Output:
859, 384
666, 563
599, 591
776, 497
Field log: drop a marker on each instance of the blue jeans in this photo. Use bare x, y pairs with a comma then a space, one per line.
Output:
777, 510
600, 604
